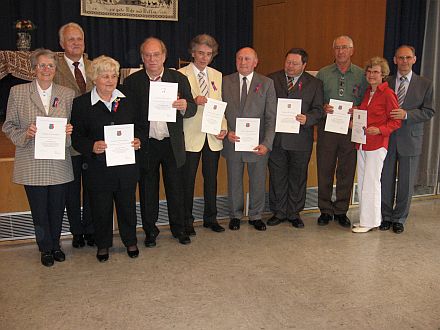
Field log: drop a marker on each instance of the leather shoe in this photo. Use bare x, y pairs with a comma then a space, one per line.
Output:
343, 220
134, 252
150, 241
183, 238
102, 255
47, 259
58, 255
190, 231
297, 223
78, 241
214, 227
398, 227
385, 225
274, 221
234, 224
90, 239
258, 224
324, 219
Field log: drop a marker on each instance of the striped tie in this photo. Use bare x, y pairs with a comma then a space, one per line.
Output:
290, 84
401, 92
202, 84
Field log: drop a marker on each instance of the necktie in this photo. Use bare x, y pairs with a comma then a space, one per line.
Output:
202, 84
401, 92
290, 85
243, 93
79, 78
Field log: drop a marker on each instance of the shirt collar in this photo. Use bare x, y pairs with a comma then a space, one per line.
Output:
70, 62
152, 78
336, 69
408, 76
248, 77
196, 71
95, 98
41, 91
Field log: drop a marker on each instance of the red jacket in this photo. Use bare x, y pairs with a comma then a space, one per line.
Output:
384, 100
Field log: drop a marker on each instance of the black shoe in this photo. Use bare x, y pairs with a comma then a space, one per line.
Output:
58, 255
343, 220
78, 241
258, 224
398, 227
150, 241
214, 227
234, 224
274, 221
133, 253
190, 231
324, 219
385, 225
90, 239
102, 255
183, 238
297, 223
47, 259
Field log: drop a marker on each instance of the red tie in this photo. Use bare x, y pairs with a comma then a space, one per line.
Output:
79, 78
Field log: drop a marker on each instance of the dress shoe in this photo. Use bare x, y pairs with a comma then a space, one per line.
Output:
102, 255
150, 241
214, 227
274, 221
385, 225
398, 227
78, 241
297, 223
234, 224
58, 255
47, 259
324, 219
190, 231
183, 238
361, 229
133, 251
258, 224
90, 239
343, 220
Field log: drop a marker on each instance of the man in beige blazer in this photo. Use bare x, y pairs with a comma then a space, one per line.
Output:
71, 72
205, 82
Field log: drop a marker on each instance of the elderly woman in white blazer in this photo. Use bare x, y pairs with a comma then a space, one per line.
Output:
44, 179
205, 82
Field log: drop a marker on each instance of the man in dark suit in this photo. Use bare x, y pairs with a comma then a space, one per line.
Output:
414, 94
290, 155
165, 145
249, 95
71, 72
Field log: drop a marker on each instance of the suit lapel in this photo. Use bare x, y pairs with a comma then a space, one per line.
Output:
411, 88
392, 82
35, 98
65, 71
55, 100
192, 79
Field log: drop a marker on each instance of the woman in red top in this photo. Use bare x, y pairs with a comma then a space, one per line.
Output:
378, 101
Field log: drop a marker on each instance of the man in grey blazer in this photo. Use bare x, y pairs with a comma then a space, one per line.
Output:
290, 155
405, 145
249, 95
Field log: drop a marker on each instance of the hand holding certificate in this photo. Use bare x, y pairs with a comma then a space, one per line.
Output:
287, 110
162, 96
212, 116
50, 139
359, 126
118, 139
248, 130
338, 121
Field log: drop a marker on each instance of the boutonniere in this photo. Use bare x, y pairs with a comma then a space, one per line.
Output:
115, 104
257, 88
214, 87
300, 86
55, 103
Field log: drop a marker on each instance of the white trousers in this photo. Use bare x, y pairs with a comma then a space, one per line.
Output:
369, 169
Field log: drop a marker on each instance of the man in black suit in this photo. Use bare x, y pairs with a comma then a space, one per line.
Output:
405, 146
165, 145
289, 158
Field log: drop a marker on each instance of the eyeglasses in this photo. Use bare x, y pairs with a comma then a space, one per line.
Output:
403, 58
43, 66
373, 72
343, 47
154, 56
341, 85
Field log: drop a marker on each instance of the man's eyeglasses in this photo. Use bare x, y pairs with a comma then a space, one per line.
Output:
341, 85
43, 66
154, 56
343, 47
403, 58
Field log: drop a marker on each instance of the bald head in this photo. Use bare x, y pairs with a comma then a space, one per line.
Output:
246, 61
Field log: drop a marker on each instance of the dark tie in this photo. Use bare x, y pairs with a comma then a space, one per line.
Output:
79, 78
290, 85
243, 94
401, 92
202, 84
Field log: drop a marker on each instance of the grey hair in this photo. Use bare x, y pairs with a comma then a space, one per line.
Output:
162, 44
101, 64
204, 39
343, 37
41, 52
65, 26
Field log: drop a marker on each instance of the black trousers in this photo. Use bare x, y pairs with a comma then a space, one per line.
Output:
47, 208
209, 170
161, 154
79, 224
101, 204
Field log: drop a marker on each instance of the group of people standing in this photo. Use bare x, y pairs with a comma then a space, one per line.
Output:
87, 93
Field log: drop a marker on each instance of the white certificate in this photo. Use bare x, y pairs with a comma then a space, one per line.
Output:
50, 139
248, 130
340, 107
119, 149
162, 96
338, 121
359, 126
213, 116
287, 109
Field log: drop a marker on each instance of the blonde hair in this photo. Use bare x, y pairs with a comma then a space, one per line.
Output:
380, 61
101, 64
